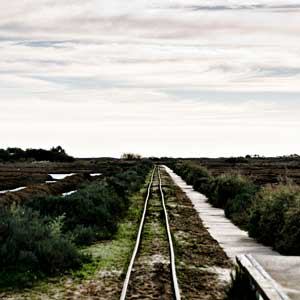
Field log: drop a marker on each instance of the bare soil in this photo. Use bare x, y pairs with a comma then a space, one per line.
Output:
33, 175
17, 174
57, 188
261, 170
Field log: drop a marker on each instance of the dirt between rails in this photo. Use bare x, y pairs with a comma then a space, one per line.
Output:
151, 276
203, 268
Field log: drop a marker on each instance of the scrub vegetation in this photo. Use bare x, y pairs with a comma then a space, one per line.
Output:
275, 218
55, 154
33, 246
41, 237
271, 214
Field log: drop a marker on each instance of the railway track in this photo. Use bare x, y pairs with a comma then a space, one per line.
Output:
152, 272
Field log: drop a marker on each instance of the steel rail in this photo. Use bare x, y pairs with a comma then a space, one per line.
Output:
171, 248
138, 240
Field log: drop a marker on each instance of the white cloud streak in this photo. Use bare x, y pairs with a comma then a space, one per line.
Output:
103, 70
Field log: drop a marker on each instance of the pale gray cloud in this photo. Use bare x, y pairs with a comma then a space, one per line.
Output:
117, 72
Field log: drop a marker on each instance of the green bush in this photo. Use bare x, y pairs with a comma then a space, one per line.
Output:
96, 205
228, 187
235, 193
31, 244
93, 212
274, 218
39, 239
232, 192
195, 175
290, 234
86, 235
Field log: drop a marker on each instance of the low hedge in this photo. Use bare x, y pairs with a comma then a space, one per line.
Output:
271, 214
40, 237
275, 218
232, 192
93, 212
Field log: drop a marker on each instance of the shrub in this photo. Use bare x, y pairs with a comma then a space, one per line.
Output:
237, 208
96, 205
271, 214
86, 235
290, 235
195, 175
30, 243
274, 218
232, 192
126, 183
227, 187
38, 239
236, 194
92, 213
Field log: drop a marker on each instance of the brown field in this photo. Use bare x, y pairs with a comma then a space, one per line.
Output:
34, 175
261, 170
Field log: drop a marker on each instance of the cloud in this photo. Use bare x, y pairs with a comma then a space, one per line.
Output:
119, 71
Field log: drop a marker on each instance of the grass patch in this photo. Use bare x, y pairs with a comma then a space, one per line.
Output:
116, 254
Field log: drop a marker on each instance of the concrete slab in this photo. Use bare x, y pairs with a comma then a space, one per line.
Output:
266, 286
285, 270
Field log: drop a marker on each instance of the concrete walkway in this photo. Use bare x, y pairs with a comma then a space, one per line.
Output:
285, 270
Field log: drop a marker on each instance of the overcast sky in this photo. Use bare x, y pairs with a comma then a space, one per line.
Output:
167, 77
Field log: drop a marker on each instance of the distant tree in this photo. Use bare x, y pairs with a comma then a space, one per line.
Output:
15, 153
153, 158
54, 154
131, 156
58, 149
4, 155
